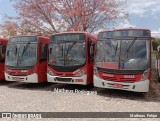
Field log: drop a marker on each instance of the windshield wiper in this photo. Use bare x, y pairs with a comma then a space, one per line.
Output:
132, 43
70, 47
25, 48
116, 48
60, 47
15, 47
16, 51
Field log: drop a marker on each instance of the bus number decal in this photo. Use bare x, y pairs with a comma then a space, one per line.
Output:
129, 76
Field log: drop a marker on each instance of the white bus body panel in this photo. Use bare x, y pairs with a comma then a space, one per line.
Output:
141, 86
33, 78
51, 78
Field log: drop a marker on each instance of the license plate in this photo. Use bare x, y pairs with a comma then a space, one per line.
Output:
16, 78
118, 85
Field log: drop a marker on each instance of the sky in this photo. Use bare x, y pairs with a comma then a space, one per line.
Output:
141, 14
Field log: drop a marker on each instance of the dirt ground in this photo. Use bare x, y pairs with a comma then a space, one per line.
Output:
44, 97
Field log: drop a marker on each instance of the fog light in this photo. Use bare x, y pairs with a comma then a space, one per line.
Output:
50, 72
145, 75
96, 71
80, 73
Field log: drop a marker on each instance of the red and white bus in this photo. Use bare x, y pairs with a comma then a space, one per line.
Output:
26, 59
123, 60
3, 44
71, 58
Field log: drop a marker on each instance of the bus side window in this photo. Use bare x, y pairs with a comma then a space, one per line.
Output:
2, 53
43, 54
91, 48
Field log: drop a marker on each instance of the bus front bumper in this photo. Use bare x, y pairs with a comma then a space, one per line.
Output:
32, 78
141, 86
67, 80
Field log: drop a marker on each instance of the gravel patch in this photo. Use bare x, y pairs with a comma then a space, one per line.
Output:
22, 97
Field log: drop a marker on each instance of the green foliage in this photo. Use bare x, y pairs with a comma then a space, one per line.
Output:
158, 41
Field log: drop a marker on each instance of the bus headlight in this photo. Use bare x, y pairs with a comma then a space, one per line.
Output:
96, 71
80, 73
145, 75
50, 72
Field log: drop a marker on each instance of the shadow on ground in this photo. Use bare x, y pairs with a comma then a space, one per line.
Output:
152, 96
45, 86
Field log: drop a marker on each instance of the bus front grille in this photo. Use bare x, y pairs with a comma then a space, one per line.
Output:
119, 79
64, 79
127, 79
17, 74
109, 78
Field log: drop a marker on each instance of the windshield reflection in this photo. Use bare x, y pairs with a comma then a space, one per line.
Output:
122, 54
21, 54
67, 53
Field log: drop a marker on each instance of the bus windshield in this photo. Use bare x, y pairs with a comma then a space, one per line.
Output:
70, 53
122, 54
21, 54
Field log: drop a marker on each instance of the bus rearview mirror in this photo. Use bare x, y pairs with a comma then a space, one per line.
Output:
7, 52
50, 50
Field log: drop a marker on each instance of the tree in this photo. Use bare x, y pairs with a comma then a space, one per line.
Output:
9, 28
49, 16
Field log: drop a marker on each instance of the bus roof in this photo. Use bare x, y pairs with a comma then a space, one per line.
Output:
131, 29
125, 32
70, 32
40, 38
28, 36
73, 32
77, 32
124, 29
